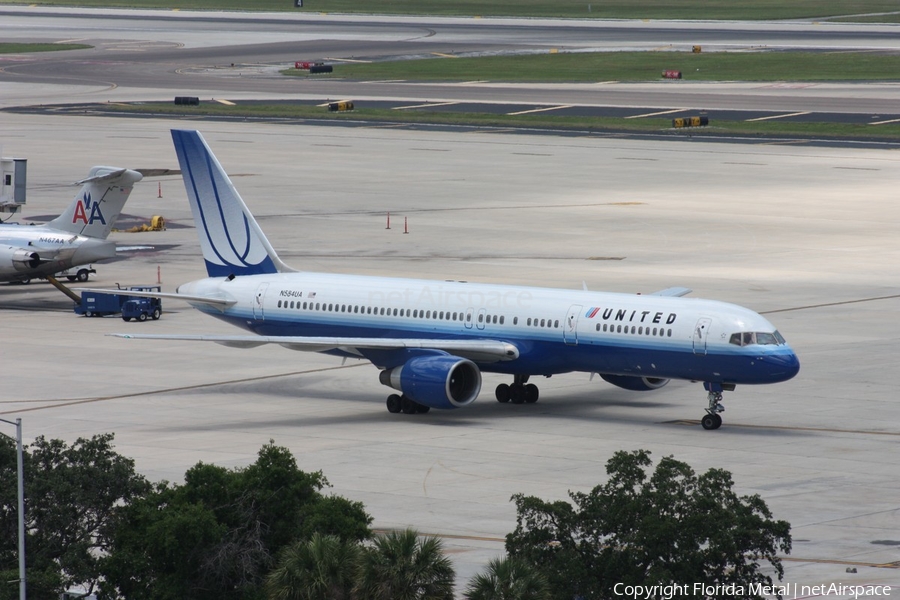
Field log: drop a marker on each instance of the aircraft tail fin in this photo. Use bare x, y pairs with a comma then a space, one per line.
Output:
97, 205
232, 241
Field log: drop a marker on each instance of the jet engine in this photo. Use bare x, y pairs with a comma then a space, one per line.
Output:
635, 384
442, 381
18, 259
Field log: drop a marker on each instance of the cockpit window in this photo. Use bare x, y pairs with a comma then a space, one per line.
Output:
766, 339
748, 338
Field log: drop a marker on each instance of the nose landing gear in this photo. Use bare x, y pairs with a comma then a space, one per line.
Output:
712, 419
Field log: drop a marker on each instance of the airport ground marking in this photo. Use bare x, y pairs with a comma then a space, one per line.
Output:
656, 114
784, 116
428, 105
537, 110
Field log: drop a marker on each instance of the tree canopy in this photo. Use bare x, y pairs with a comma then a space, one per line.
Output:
216, 535
508, 579
638, 528
400, 566
72, 493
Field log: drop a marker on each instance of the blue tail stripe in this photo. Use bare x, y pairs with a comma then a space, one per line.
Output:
219, 210
180, 138
211, 172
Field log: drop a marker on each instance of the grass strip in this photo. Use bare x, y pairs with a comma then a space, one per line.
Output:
9, 48
778, 128
631, 66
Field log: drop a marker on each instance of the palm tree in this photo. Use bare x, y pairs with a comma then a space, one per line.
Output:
320, 568
399, 566
508, 579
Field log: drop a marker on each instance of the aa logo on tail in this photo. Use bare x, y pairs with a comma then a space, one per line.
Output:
87, 212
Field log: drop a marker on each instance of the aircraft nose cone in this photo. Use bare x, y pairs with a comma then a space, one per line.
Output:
782, 366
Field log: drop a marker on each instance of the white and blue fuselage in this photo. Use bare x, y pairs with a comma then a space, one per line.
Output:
554, 330
433, 339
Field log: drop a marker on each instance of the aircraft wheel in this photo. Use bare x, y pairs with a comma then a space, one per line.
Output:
502, 393
156, 314
517, 393
408, 406
394, 403
711, 421
422, 409
531, 393
142, 317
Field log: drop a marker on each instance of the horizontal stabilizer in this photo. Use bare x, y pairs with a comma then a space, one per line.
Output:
217, 301
673, 291
477, 350
158, 172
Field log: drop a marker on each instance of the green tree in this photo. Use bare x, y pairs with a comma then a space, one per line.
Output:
320, 568
400, 566
509, 579
71, 494
671, 527
216, 536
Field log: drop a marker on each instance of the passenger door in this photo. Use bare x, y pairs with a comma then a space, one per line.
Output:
701, 333
258, 302
570, 327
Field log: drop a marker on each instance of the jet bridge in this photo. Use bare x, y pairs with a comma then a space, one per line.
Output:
12, 184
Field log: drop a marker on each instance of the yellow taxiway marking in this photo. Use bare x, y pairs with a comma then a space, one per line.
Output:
442, 55
769, 118
50, 404
884, 122
537, 110
225, 102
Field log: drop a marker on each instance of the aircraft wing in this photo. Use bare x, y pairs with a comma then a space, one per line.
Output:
476, 350
672, 291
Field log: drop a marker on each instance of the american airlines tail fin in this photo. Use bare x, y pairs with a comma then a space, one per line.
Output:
99, 202
232, 242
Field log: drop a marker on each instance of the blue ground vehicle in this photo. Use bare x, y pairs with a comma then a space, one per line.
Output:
142, 308
102, 304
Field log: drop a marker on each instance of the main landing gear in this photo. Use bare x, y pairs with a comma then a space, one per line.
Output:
712, 419
519, 392
408, 406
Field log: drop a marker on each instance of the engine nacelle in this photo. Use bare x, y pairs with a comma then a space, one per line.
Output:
18, 259
635, 384
437, 381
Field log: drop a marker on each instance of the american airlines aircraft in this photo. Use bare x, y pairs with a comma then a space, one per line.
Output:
76, 237
433, 339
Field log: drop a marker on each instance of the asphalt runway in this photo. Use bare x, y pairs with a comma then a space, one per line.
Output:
807, 236
151, 55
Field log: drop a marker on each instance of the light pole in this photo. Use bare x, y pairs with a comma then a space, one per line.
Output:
20, 464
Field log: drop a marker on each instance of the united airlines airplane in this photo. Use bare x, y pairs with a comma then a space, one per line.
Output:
432, 340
